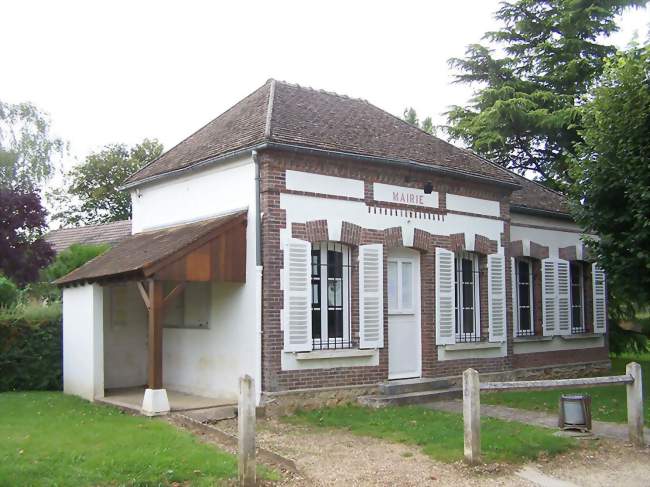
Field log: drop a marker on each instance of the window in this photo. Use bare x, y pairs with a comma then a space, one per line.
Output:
577, 298
468, 323
524, 297
400, 286
191, 308
330, 296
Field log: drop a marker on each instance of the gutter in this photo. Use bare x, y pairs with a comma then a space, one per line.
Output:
539, 212
326, 152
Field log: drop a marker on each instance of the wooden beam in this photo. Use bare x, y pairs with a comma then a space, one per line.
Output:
559, 383
173, 294
155, 334
144, 294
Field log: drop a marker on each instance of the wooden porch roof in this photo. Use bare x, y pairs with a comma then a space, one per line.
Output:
201, 251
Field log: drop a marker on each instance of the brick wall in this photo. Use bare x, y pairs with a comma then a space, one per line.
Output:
273, 165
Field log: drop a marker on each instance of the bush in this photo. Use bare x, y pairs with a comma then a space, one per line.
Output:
71, 258
8, 292
31, 352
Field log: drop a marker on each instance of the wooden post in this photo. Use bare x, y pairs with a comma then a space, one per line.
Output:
472, 415
155, 334
635, 405
246, 424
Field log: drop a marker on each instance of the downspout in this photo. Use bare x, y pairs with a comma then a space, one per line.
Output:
258, 211
258, 279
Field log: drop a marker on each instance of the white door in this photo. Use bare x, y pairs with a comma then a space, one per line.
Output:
404, 345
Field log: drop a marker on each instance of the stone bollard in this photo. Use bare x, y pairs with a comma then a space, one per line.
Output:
472, 415
246, 425
635, 404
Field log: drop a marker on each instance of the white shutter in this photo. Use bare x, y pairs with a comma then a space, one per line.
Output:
549, 296
371, 296
497, 297
515, 304
563, 298
599, 298
296, 314
445, 298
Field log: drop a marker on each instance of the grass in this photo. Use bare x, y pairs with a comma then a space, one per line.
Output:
50, 439
608, 403
439, 434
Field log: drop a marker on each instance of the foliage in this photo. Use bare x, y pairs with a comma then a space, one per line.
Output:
440, 434
608, 403
8, 292
93, 185
525, 113
612, 171
54, 439
27, 148
23, 251
411, 116
71, 258
31, 348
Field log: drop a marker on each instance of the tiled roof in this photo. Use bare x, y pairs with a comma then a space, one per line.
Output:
282, 113
108, 233
534, 196
131, 256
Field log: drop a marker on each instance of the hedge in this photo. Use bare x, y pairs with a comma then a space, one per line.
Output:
31, 352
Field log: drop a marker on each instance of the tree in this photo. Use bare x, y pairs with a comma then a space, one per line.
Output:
94, 184
612, 171
525, 114
23, 251
27, 148
411, 116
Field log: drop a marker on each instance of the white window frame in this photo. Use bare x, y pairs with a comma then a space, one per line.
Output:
531, 281
401, 309
324, 329
458, 257
581, 284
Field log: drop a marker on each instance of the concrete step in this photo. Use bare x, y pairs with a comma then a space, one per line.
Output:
419, 397
403, 386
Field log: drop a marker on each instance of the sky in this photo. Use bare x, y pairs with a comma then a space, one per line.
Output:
119, 71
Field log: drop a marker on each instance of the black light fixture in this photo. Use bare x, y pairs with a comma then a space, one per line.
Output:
428, 187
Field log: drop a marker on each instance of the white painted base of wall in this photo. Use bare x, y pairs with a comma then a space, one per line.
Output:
155, 402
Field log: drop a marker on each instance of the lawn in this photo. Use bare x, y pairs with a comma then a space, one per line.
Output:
608, 402
50, 439
439, 434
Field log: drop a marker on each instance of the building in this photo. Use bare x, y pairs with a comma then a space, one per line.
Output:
322, 245
105, 233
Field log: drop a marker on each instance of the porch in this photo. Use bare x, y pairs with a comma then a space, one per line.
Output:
159, 309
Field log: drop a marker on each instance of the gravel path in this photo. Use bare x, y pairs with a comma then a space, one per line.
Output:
338, 458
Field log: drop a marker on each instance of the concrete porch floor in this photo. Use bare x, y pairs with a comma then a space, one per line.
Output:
131, 398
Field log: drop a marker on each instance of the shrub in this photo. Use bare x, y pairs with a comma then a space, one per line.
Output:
31, 352
71, 258
8, 292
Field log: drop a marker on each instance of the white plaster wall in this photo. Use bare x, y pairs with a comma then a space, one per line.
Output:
210, 361
553, 239
196, 196
319, 183
125, 344
543, 221
83, 368
470, 204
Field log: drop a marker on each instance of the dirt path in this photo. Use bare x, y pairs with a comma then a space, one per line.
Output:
338, 458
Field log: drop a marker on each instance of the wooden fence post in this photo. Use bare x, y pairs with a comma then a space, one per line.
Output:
635, 404
472, 415
246, 425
